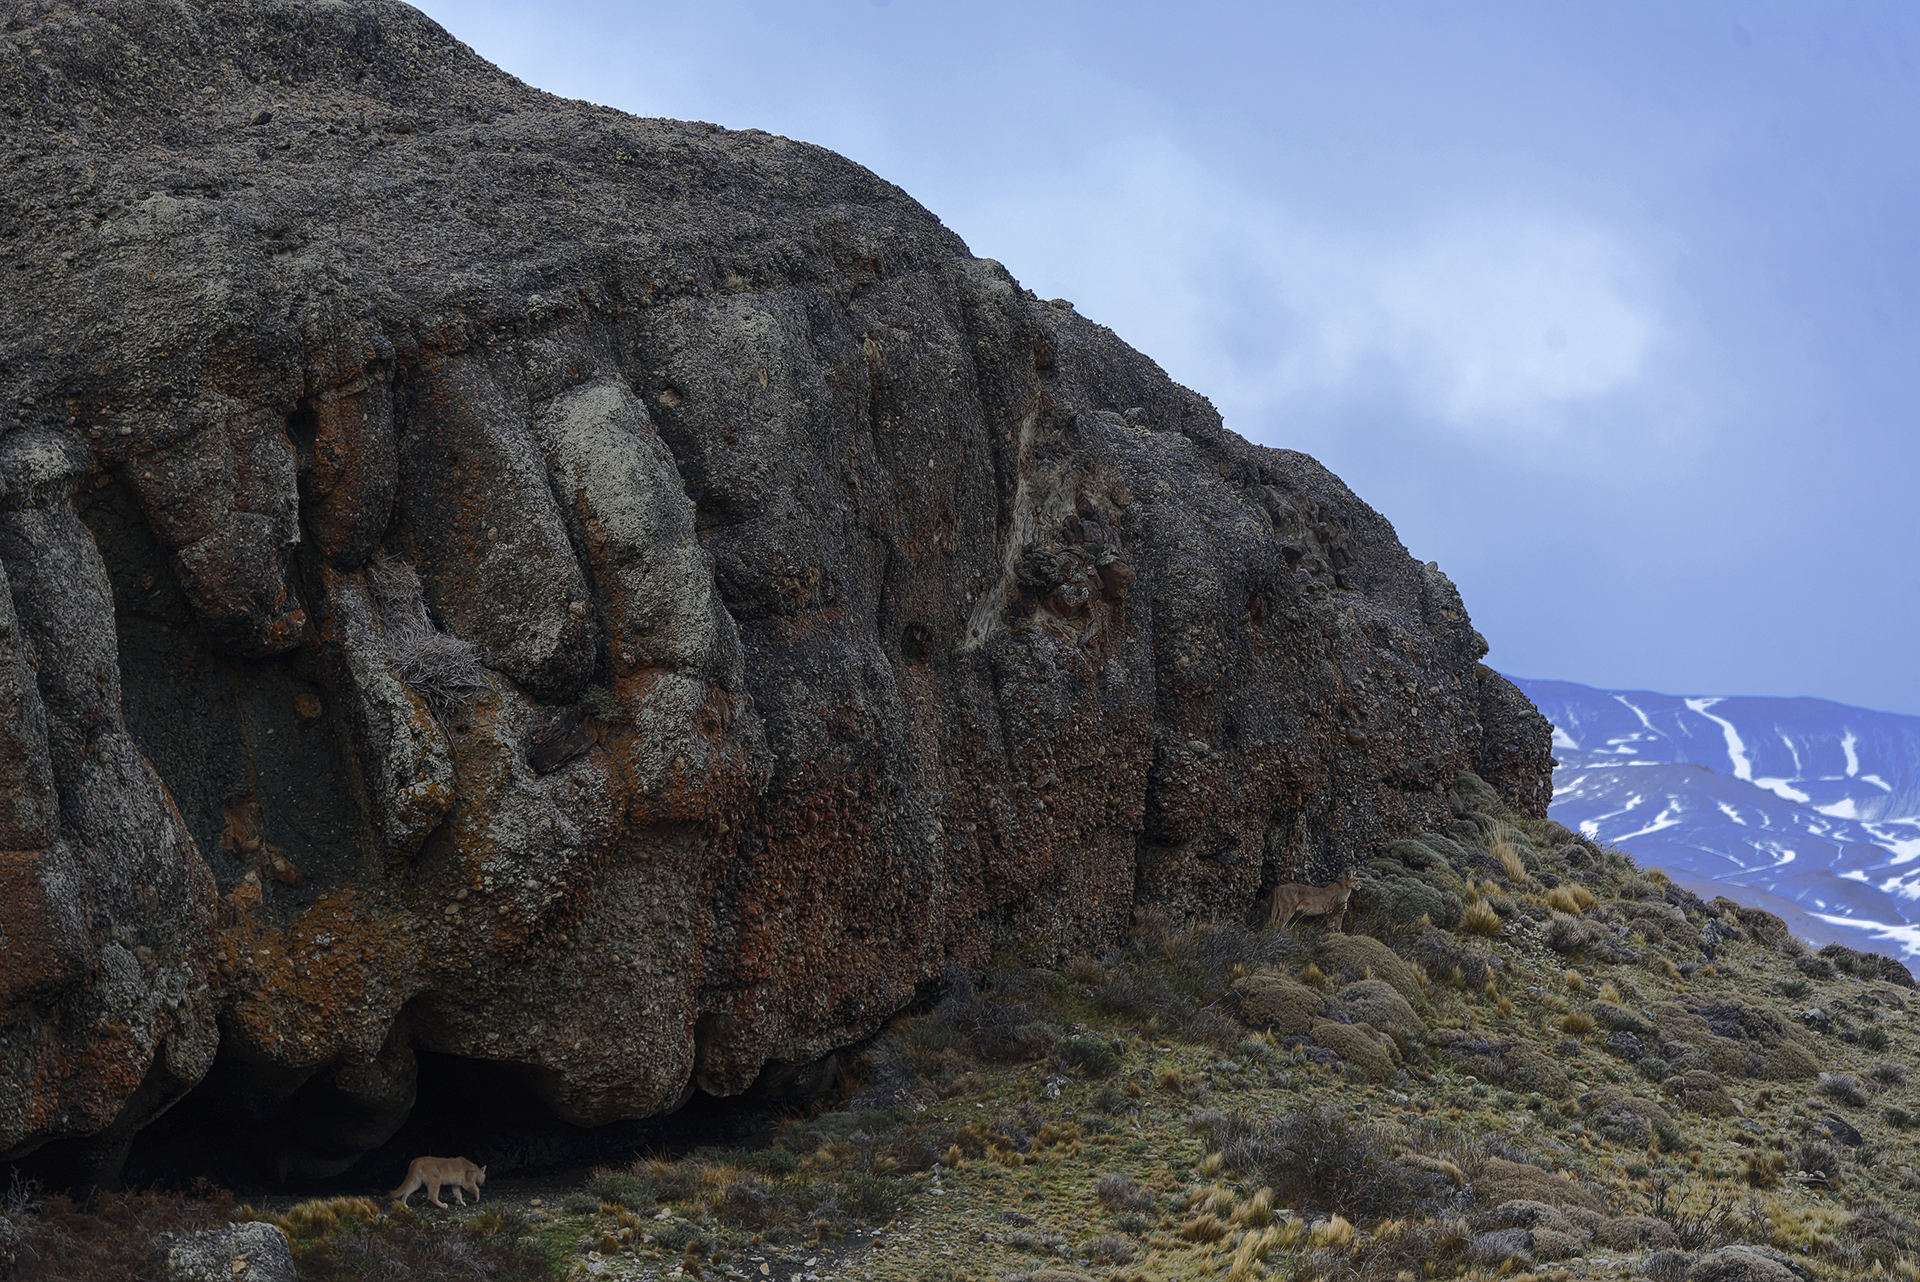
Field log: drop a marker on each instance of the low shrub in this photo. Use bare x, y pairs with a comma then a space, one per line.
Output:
1323, 1160
445, 669
1090, 1055
1818, 1157
1571, 936
1119, 1192
1844, 1087
622, 1188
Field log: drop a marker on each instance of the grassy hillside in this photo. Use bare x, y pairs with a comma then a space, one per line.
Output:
1523, 1057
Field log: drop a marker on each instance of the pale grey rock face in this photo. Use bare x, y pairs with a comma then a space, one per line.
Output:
802, 606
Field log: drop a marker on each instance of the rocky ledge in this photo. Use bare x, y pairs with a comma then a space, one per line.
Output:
619, 600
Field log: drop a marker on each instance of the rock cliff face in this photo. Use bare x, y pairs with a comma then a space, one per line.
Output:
613, 598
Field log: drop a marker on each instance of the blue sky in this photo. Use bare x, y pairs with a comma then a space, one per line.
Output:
1613, 308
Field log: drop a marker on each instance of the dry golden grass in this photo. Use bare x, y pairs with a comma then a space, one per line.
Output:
1481, 919
1333, 1235
1254, 1213
1313, 976
1609, 992
1576, 1023
1253, 1248
1576, 981
1510, 861
1207, 1227
324, 1216
1570, 899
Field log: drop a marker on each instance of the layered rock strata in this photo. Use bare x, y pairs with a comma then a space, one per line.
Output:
617, 598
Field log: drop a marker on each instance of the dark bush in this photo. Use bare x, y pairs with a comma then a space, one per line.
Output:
622, 1189
675, 1235
1889, 1074
1119, 1192
1006, 1017
1818, 1156
1843, 1087
1090, 1055
1572, 935
111, 1237
1323, 1160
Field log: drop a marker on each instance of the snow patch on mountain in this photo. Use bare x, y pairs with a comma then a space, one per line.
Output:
1812, 804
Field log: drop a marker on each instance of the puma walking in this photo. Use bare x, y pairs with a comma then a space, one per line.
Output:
433, 1172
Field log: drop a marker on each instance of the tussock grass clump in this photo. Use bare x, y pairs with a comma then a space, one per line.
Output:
324, 1215
1109, 1249
1090, 1055
1570, 898
1481, 919
1817, 1157
1764, 1170
1576, 1023
1511, 863
1205, 1227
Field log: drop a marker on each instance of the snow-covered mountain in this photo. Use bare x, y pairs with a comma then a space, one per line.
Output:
1811, 809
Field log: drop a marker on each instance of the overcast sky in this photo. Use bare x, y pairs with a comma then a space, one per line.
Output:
1612, 308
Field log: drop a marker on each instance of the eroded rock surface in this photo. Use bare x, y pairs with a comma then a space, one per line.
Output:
615, 598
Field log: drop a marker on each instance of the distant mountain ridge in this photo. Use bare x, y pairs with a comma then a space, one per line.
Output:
1811, 807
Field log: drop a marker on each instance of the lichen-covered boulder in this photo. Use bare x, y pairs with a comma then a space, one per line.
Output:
1269, 999
1349, 958
1376, 1002
1738, 1264
1361, 1045
250, 1252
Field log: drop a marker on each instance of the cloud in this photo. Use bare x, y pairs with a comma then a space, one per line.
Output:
1490, 320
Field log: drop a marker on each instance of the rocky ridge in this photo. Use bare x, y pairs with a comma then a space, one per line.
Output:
620, 599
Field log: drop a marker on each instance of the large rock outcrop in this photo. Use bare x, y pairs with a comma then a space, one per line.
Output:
616, 598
